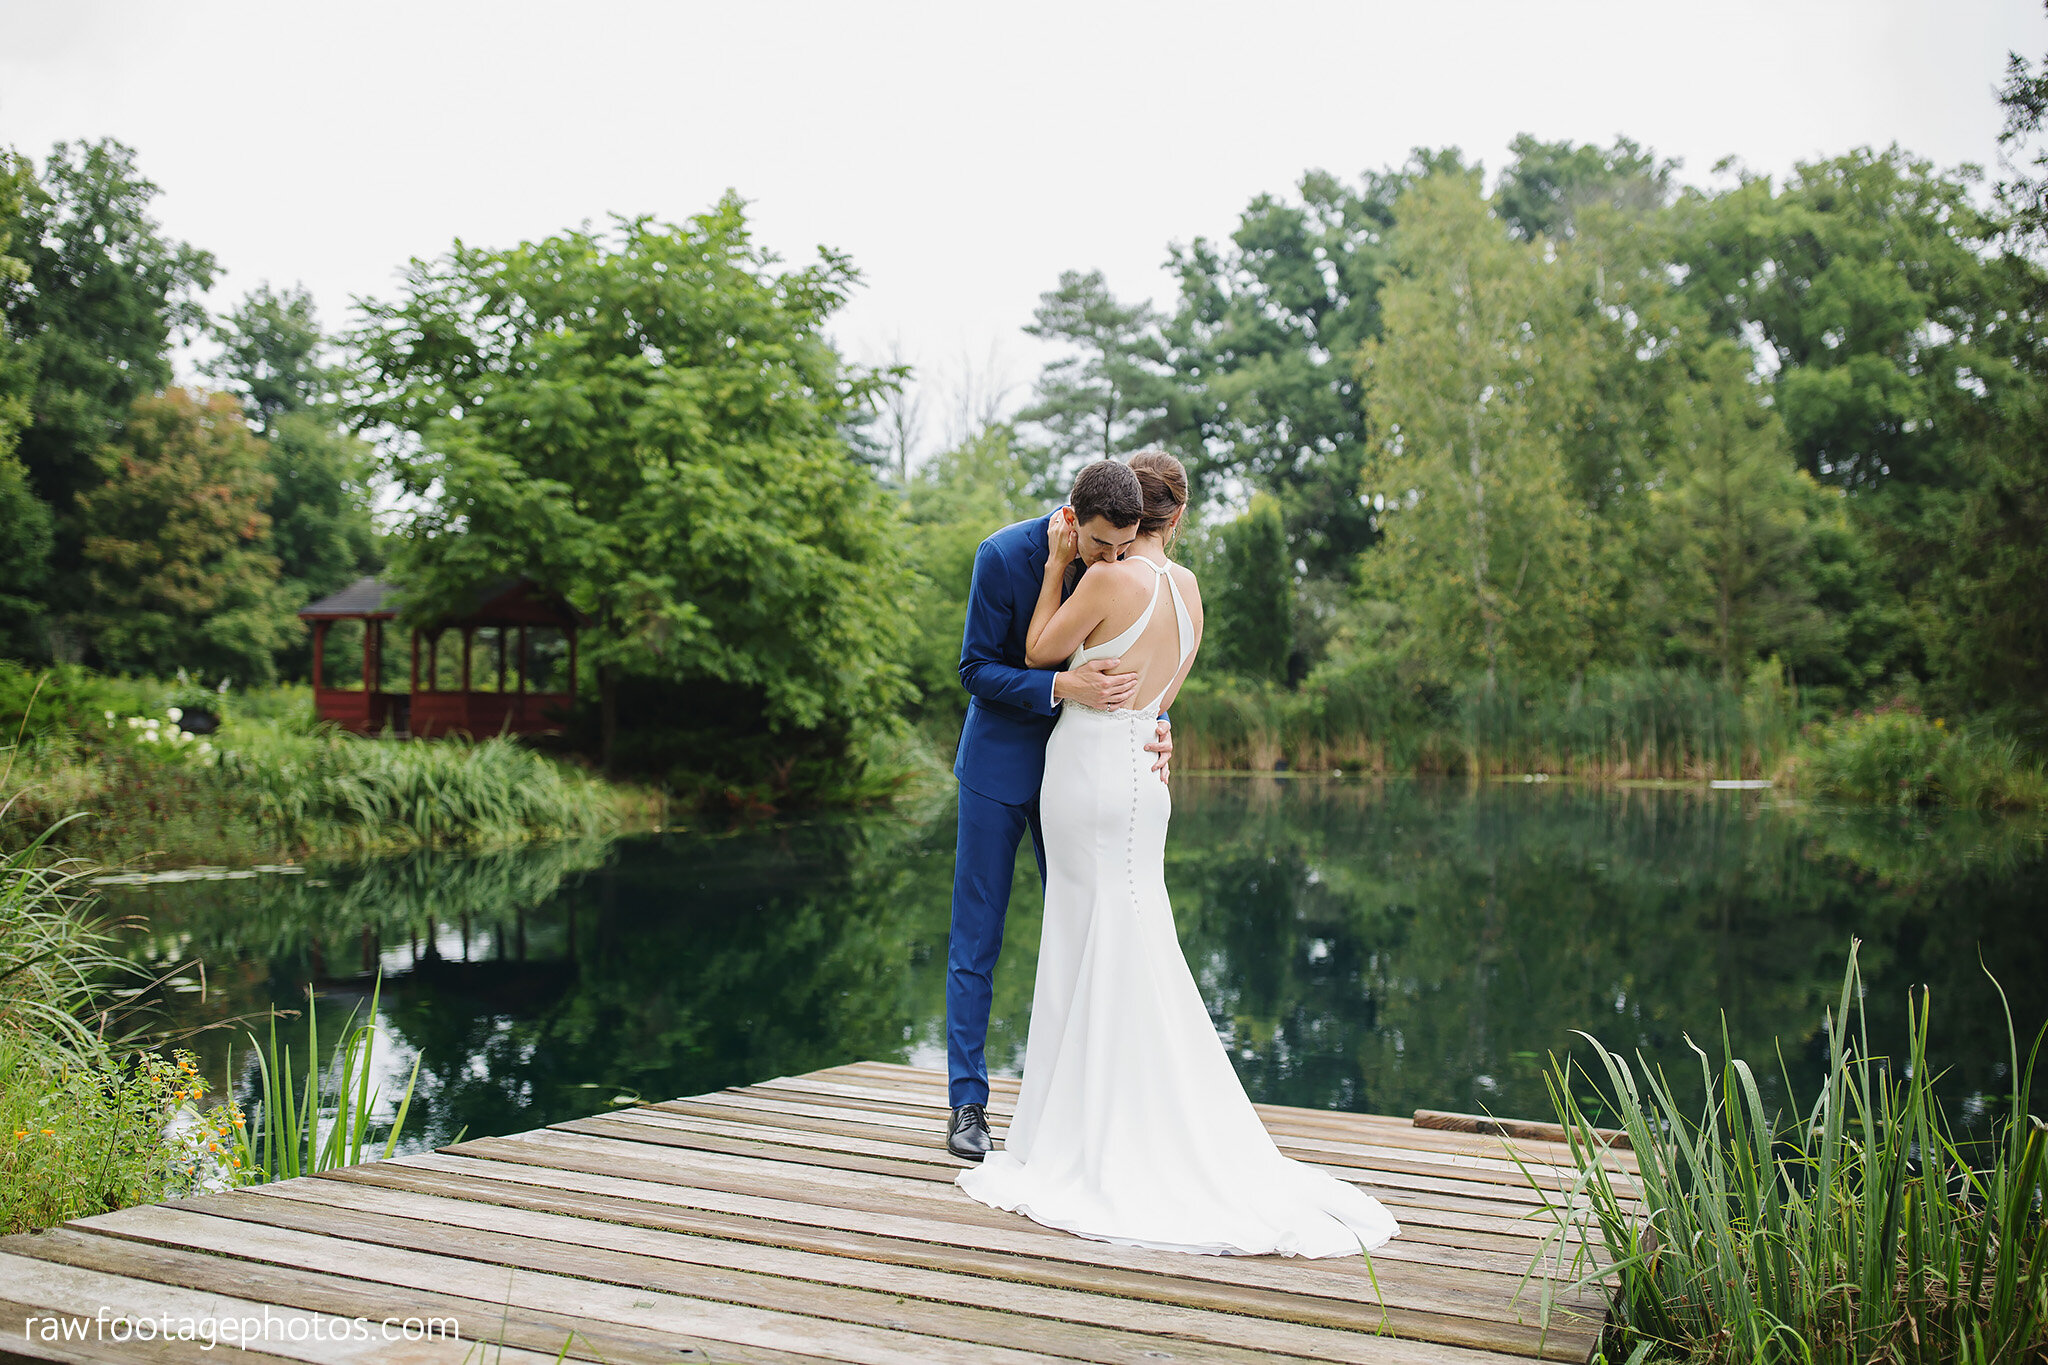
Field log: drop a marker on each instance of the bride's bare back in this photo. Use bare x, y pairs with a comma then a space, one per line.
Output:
1166, 598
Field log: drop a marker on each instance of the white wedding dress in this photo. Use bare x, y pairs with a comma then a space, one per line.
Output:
1131, 1126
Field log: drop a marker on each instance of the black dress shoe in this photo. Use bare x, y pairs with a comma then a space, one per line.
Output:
967, 1133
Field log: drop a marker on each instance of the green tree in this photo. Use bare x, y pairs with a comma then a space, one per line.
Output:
25, 521
1547, 185
953, 501
273, 354
178, 565
1735, 525
1481, 539
1251, 592
1264, 343
650, 421
104, 295
1107, 394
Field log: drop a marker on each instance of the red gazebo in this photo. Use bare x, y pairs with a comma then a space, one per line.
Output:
503, 606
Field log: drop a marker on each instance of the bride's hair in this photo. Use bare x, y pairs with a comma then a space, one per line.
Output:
1165, 485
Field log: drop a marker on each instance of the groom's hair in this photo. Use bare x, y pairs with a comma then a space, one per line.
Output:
1107, 489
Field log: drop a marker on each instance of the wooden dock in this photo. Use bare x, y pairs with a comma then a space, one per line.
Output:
806, 1218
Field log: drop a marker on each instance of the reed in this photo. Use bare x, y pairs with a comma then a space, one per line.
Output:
1656, 723
303, 1124
1857, 1229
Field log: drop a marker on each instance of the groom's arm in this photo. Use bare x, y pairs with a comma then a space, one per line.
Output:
982, 670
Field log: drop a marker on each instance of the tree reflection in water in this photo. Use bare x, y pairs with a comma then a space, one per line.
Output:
1364, 946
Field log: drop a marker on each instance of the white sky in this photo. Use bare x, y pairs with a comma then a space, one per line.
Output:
964, 155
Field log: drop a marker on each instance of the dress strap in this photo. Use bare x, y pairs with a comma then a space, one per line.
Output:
1186, 627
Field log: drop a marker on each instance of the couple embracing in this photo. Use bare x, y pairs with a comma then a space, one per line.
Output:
1130, 1125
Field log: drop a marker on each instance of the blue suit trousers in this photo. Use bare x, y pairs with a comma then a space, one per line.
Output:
984, 865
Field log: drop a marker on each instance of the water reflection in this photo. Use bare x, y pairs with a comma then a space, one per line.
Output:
1375, 947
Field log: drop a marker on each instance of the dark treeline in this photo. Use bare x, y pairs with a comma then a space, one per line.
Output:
1769, 450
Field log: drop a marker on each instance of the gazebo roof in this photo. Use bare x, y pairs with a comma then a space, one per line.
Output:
363, 598
513, 600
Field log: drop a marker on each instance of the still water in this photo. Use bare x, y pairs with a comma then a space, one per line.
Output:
1367, 946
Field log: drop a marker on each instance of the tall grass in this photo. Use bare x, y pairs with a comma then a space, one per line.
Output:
1662, 723
288, 1139
330, 787
1857, 1229
1895, 755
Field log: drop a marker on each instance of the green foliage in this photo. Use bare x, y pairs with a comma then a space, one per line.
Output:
1897, 756
951, 504
270, 355
1856, 1230
86, 1135
1482, 543
1735, 524
650, 423
1378, 710
1108, 394
271, 783
179, 568
105, 291
273, 356
1250, 600
287, 1140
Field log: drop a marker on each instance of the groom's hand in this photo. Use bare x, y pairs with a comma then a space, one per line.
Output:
1163, 746
1094, 684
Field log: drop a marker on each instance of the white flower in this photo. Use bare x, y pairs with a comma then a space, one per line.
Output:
110, 717
175, 713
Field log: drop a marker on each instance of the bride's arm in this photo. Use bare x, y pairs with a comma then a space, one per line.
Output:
1057, 629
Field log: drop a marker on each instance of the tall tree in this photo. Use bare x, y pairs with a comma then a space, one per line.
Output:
1106, 394
1736, 528
176, 552
651, 422
1264, 345
1482, 540
105, 293
25, 521
274, 355
1547, 185
1252, 597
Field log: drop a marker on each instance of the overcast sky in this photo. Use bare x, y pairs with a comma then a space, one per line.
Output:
963, 154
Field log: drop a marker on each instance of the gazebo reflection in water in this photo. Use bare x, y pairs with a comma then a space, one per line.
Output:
524, 634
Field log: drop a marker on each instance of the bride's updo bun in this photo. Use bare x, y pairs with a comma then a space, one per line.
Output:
1164, 484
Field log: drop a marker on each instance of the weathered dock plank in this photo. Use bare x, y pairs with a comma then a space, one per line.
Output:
804, 1219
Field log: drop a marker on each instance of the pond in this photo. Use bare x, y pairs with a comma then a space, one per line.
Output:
1366, 946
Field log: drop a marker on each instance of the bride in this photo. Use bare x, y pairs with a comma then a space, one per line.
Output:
1131, 1126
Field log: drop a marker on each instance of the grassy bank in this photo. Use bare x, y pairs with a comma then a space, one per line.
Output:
271, 783
1649, 723
88, 1122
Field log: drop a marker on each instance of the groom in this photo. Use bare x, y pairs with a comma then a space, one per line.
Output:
1002, 759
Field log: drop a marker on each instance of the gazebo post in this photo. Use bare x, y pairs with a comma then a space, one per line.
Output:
468, 634
415, 659
319, 659
501, 661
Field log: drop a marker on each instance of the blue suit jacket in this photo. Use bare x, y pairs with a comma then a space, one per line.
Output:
1009, 709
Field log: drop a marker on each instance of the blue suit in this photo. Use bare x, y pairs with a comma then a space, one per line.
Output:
1000, 763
